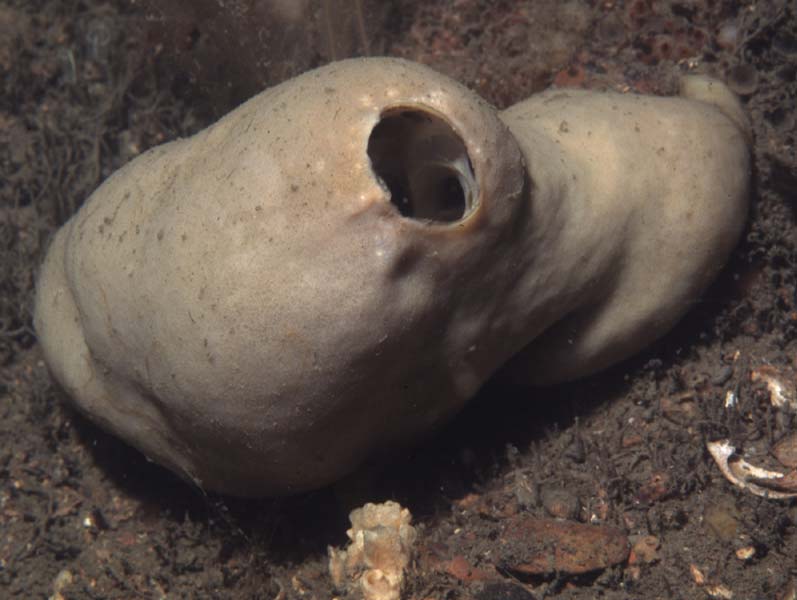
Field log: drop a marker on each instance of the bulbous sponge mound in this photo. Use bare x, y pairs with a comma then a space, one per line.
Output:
336, 266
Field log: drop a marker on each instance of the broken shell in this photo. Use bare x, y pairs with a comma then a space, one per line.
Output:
338, 265
761, 482
781, 395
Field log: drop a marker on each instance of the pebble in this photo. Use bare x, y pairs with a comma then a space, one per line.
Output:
645, 550
503, 591
680, 408
656, 488
743, 79
560, 503
460, 568
724, 374
728, 36
537, 546
786, 451
722, 519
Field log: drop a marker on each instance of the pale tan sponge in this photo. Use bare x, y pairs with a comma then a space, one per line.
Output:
337, 266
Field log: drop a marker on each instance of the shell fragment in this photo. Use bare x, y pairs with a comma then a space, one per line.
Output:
761, 482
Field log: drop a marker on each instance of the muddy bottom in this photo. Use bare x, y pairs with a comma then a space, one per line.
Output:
602, 488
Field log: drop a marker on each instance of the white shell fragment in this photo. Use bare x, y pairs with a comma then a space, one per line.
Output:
382, 541
781, 395
713, 590
720, 591
761, 482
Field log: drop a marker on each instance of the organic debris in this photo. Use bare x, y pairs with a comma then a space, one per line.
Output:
761, 482
781, 394
382, 541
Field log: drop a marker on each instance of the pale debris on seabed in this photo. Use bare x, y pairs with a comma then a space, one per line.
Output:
761, 482
719, 591
714, 590
745, 553
62, 580
380, 550
781, 394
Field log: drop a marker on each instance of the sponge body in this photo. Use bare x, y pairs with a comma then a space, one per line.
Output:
643, 200
259, 307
